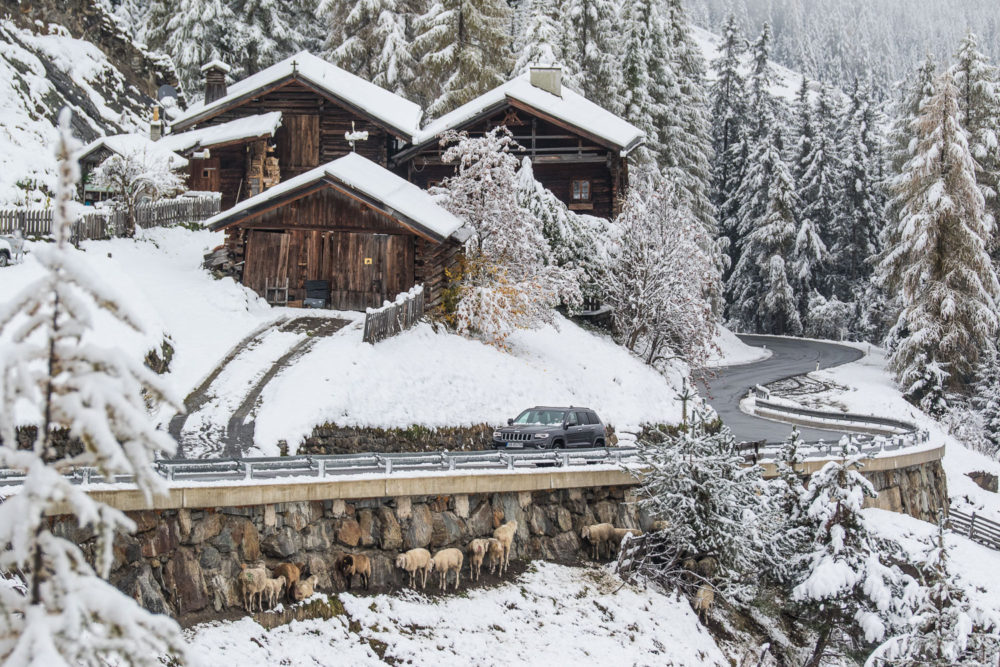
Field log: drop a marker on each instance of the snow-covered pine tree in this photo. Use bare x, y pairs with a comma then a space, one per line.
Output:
55, 608
916, 91
462, 49
785, 534
660, 276
986, 402
508, 279
809, 253
541, 41
270, 30
939, 262
594, 47
858, 224
761, 286
700, 484
193, 32
840, 580
369, 39
638, 105
820, 179
765, 108
946, 628
978, 84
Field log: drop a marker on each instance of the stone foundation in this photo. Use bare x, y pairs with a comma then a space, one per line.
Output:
333, 439
919, 490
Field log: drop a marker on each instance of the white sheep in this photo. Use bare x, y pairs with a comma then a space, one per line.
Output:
598, 535
703, 600
304, 588
273, 589
253, 585
494, 553
447, 560
413, 561
477, 552
618, 534
505, 535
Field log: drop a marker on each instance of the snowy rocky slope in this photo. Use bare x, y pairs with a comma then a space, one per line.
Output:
553, 615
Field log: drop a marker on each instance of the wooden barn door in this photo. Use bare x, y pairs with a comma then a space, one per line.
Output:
266, 259
298, 144
366, 269
204, 175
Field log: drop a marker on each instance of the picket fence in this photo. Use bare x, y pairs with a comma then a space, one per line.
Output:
106, 223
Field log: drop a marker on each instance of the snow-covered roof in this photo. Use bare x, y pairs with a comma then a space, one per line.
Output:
396, 195
570, 108
250, 127
390, 109
135, 144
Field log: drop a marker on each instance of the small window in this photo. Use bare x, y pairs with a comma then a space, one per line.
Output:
581, 190
581, 418
594, 419
205, 172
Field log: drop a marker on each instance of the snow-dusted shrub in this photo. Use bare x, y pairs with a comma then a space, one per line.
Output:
55, 608
661, 277
829, 318
135, 176
508, 279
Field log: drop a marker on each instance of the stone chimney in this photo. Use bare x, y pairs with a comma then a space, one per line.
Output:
215, 80
548, 78
156, 125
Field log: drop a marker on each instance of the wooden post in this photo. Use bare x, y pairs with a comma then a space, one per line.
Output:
972, 527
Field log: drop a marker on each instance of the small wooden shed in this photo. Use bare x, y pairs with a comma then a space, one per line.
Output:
351, 223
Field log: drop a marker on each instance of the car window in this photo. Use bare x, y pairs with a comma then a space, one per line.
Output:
540, 417
581, 418
594, 419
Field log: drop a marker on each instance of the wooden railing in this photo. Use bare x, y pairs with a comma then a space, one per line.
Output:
392, 318
105, 223
975, 527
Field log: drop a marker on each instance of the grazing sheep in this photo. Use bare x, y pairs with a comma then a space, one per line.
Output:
292, 572
505, 534
703, 600
597, 534
413, 561
253, 580
304, 588
618, 534
494, 553
659, 526
447, 560
477, 552
352, 564
708, 566
273, 589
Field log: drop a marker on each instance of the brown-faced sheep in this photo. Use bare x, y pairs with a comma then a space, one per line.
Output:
703, 600
447, 560
618, 534
597, 534
505, 535
358, 564
273, 589
413, 561
253, 581
477, 552
494, 553
292, 572
304, 588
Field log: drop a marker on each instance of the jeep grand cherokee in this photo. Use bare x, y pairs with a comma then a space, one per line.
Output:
550, 428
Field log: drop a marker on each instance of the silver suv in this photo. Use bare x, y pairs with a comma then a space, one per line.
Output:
552, 428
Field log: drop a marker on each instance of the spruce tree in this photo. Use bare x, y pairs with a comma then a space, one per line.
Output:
540, 43
268, 31
463, 50
986, 401
369, 39
637, 103
194, 32
939, 261
594, 31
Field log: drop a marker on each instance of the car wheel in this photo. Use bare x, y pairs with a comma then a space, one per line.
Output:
4, 259
598, 443
558, 444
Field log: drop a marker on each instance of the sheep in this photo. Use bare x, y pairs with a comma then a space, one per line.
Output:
477, 552
659, 526
253, 585
703, 600
494, 553
292, 572
597, 534
413, 561
273, 589
352, 564
447, 560
505, 534
304, 588
618, 534
707, 567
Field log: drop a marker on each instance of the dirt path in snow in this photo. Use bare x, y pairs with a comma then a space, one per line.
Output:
221, 409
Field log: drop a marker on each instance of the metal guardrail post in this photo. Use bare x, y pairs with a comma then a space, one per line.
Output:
170, 473
86, 475
565, 459
451, 463
247, 471
388, 466
321, 472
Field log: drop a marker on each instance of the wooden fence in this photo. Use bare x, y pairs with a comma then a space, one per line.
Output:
392, 318
975, 527
106, 223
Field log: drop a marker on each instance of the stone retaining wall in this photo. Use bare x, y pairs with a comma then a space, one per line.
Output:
185, 562
333, 439
918, 490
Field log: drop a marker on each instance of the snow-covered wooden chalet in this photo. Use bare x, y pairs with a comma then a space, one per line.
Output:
578, 149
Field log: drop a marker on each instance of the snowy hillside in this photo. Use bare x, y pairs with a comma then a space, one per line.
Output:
553, 615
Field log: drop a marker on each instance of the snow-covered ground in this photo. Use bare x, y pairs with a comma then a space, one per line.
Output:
552, 615
731, 351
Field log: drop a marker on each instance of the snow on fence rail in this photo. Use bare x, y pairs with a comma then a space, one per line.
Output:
212, 470
105, 223
975, 527
394, 317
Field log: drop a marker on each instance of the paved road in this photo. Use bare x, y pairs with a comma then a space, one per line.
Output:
790, 357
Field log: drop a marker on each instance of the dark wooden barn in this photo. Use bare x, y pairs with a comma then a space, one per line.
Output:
326, 113
578, 150
363, 231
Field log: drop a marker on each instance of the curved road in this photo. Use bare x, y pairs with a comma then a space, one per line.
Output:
789, 357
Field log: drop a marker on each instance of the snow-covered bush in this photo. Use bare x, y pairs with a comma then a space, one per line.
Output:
660, 277
508, 279
55, 608
829, 318
134, 176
